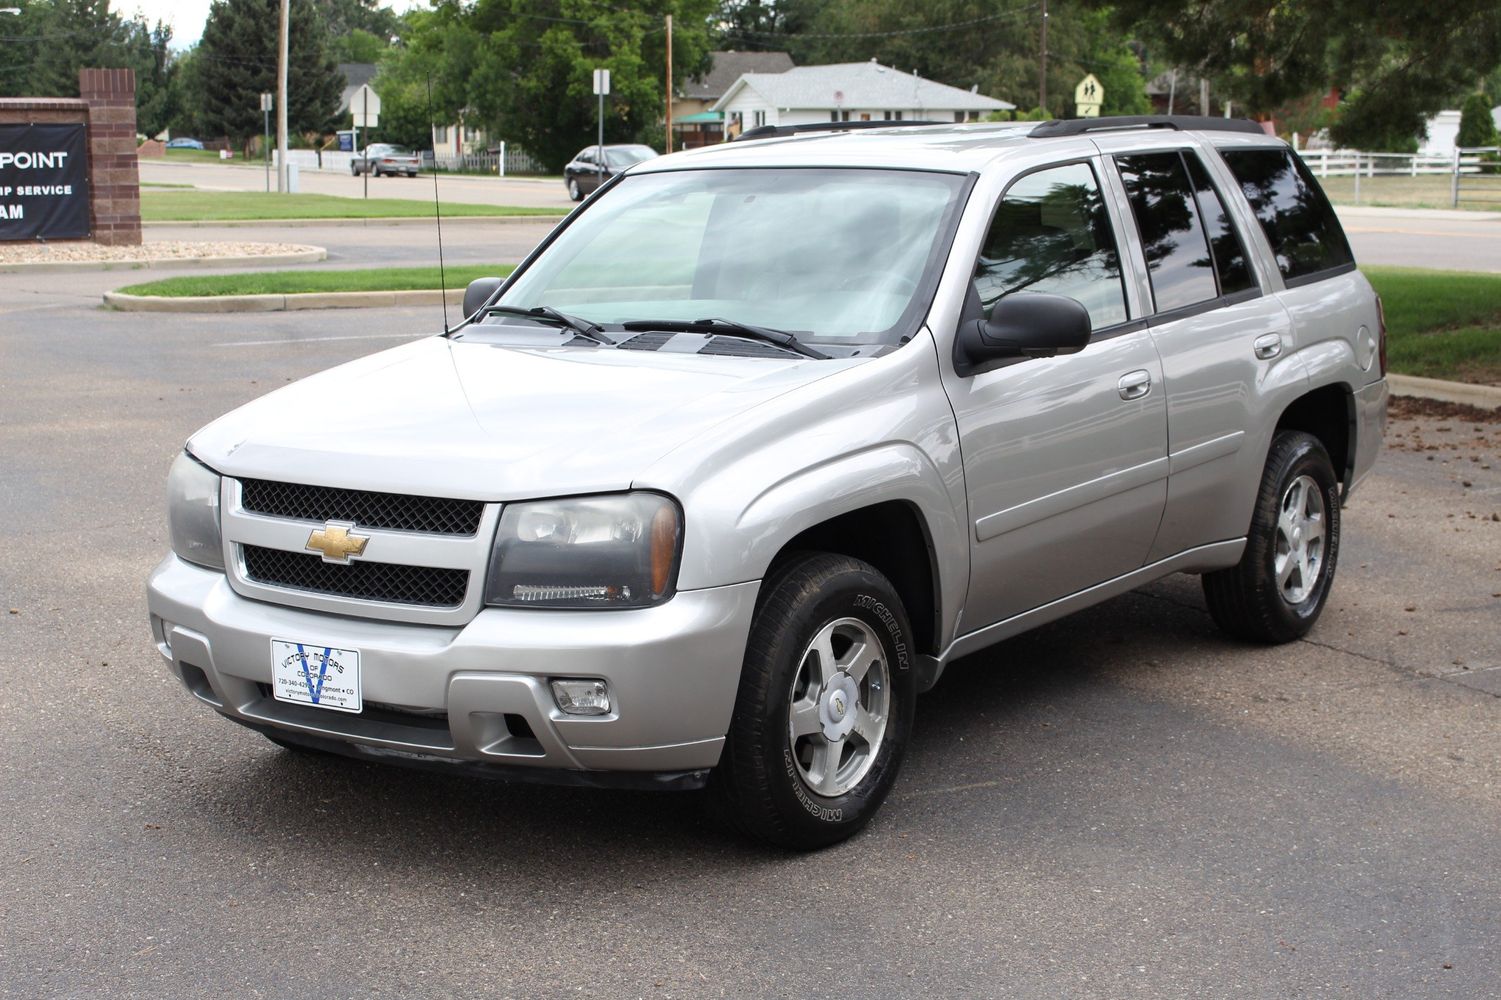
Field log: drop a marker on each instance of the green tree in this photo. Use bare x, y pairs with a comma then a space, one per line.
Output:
963, 43
236, 62
1476, 126
344, 16
1397, 63
523, 69
359, 46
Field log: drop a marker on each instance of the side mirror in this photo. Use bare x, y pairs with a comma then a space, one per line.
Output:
478, 293
1023, 325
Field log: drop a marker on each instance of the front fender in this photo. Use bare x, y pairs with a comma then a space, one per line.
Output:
875, 433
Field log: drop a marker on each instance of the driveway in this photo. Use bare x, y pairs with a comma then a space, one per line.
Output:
1122, 803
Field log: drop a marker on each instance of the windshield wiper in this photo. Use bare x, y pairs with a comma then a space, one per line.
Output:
582, 327
729, 327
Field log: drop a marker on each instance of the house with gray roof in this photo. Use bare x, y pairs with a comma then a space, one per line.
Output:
864, 91
693, 121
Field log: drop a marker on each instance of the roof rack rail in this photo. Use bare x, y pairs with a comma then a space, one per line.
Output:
772, 131
1180, 123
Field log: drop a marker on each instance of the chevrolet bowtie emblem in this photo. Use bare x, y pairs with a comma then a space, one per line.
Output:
336, 543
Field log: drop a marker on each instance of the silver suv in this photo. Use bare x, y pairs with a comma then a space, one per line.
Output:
766, 434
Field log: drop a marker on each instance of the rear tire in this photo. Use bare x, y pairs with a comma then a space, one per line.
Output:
1278, 589
824, 711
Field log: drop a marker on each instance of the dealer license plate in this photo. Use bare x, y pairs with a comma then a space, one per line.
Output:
306, 673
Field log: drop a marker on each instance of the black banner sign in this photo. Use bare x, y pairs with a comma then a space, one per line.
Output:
44, 182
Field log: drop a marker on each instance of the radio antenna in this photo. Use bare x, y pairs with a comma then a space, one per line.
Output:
437, 209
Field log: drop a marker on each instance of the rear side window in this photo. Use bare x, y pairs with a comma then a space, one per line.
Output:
1172, 238
1229, 253
1051, 233
1299, 223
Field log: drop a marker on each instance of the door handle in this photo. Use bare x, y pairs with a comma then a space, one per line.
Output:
1268, 346
1134, 385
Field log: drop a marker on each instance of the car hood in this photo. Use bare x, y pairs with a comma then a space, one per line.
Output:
476, 420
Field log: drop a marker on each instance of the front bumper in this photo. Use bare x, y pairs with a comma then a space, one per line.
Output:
478, 694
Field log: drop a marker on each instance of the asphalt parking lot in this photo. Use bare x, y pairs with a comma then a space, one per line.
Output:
1124, 803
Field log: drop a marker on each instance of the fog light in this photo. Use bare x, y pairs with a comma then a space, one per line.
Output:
577, 696
166, 638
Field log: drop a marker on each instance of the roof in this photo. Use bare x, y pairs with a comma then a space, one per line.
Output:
858, 85
954, 148
726, 67
356, 75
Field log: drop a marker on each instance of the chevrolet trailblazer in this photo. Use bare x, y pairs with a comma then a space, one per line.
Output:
765, 434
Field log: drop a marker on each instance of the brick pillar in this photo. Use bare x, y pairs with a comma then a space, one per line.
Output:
113, 177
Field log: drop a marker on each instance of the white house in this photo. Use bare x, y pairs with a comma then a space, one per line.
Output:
1443, 132
846, 92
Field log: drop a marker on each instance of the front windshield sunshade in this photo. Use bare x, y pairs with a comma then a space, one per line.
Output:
829, 254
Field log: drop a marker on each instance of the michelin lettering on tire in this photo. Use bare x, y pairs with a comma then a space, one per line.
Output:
893, 627
825, 814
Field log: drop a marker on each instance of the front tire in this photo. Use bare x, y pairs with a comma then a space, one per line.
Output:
1278, 589
575, 193
824, 710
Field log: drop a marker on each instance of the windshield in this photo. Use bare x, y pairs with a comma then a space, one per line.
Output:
625, 156
830, 254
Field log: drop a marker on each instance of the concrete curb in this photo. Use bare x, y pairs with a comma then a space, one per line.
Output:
278, 303
1486, 397
305, 256
425, 220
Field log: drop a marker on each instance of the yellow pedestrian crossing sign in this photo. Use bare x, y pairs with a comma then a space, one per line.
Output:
1088, 96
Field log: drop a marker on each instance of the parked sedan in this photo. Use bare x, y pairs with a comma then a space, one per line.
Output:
589, 169
384, 158
184, 143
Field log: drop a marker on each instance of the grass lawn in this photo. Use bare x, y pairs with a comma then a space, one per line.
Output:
1424, 191
195, 156
1441, 324
375, 279
174, 205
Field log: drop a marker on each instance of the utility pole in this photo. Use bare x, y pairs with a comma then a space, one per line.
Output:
1204, 97
281, 100
669, 83
1042, 66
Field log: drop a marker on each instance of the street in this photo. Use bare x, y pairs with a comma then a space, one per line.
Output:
527, 192
1122, 803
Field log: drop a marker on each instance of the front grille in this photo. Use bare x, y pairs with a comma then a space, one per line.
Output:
391, 511
427, 586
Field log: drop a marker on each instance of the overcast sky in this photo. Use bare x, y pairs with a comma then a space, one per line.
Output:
187, 16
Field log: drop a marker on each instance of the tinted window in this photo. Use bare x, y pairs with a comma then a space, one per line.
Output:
1299, 223
1051, 233
1177, 252
1229, 253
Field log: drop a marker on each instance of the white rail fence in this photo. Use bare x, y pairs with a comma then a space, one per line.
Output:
1474, 174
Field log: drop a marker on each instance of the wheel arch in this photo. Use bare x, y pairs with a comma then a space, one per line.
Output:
1328, 412
894, 537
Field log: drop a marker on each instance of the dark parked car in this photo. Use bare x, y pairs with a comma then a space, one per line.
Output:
384, 158
588, 170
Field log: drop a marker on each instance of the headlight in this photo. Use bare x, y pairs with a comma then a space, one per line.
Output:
193, 512
617, 551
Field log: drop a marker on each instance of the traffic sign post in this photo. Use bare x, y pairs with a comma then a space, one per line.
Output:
602, 90
364, 104
266, 114
1088, 96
